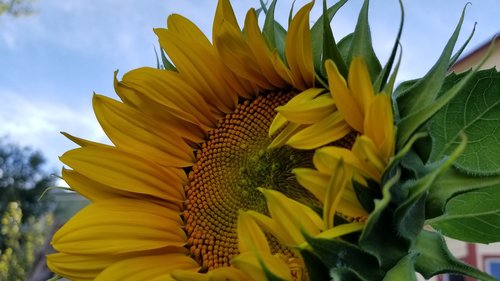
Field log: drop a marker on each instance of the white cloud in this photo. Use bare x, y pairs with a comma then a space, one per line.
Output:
37, 123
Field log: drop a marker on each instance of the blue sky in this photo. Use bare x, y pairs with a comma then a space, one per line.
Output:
53, 61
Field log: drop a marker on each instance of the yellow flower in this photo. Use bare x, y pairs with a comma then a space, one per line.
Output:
201, 160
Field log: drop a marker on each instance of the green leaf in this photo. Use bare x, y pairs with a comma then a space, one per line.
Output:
323, 43
410, 214
473, 216
339, 255
451, 183
435, 258
389, 86
316, 269
404, 269
381, 80
425, 91
344, 47
346, 274
379, 237
290, 14
273, 32
367, 195
411, 123
361, 45
157, 59
459, 52
475, 110
410, 217
166, 63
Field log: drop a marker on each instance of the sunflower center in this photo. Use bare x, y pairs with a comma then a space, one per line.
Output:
231, 165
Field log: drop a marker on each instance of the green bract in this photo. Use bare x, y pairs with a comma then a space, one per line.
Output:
446, 168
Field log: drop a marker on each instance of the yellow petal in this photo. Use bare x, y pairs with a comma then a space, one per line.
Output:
83, 142
340, 230
96, 191
313, 180
251, 264
367, 152
360, 84
334, 193
279, 122
218, 274
346, 104
326, 157
127, 172
168, 89
298, 49
379, 126
118, 226
233, 85
238, 56
136, 133
329, 129
283, 136
250, 236
145, 104
79, 267
270, 225
230, 274
88, 188
260, 50
185, 275
181, 25
223, 14
309, 111
349, 205
291, 216
147, 267
200, 66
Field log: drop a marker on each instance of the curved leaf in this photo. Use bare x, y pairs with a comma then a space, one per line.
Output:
475, 110
472, 216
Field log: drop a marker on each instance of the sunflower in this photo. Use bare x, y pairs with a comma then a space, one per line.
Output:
222, 162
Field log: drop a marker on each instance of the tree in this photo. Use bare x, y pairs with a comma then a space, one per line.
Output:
23, 180
16, 7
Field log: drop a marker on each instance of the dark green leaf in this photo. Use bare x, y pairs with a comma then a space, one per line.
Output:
322, 39
166, 63
410, 217
415, 121
344, 47
290, 14
473, 216
379, 237
410, 214
157, 59
404, 269
389, 86
268, 28
459, 52
367, 195
435, 258
425, 91
475, 110
316, 269
338, 255
361, 45
381, 80
451, 183
346, 274
273, 32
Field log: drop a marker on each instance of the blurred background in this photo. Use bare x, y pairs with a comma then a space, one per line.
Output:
55, 54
